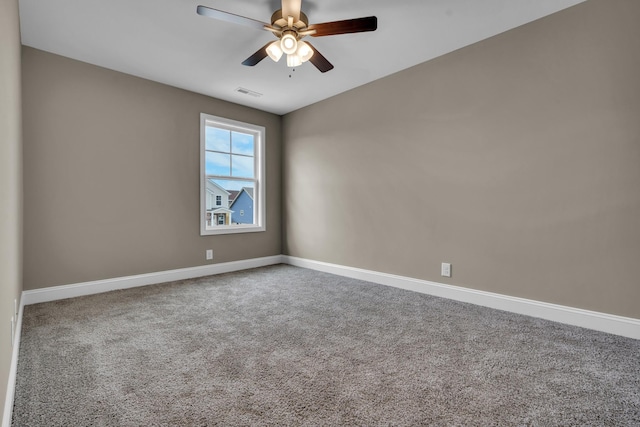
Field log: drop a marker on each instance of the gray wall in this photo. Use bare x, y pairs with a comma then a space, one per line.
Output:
516, 159
111, 175
10, 181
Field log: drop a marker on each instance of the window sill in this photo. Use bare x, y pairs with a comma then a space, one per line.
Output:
231, 229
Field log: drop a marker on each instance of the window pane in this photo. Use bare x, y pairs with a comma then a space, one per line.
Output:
217, 139
242, 143
242, 166
240, 200
217, 164
232, 152
233, 185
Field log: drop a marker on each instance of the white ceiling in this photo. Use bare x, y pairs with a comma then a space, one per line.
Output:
166, 41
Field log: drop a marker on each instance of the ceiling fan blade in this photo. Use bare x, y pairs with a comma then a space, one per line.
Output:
320, 61
257, 57
291, 8
358, 25
230, 17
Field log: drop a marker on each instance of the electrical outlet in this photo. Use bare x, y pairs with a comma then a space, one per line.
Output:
15, 309
209, 254
13, 330
445, 271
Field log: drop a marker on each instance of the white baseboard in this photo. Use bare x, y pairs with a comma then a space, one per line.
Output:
13, 370
604, 322
618, 325
98, 286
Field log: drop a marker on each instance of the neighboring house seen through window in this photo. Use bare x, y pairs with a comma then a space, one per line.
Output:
232, 176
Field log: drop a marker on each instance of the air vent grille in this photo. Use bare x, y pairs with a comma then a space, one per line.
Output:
248, 92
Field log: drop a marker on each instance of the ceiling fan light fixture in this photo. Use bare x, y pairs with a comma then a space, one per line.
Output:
274, 51
289, 43
293, 60
304, 51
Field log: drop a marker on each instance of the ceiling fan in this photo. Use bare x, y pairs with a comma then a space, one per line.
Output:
290, 25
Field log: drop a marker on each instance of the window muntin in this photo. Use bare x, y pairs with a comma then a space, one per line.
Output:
232, 160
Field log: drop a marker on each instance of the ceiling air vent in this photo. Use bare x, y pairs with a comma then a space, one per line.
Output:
248, 92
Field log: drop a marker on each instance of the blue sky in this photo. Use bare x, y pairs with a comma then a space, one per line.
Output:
229, 153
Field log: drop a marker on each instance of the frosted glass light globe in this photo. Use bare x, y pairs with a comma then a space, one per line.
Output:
289, 44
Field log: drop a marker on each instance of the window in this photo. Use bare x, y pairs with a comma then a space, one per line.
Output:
231, 160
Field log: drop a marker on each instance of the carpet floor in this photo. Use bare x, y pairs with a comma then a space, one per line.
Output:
282, 345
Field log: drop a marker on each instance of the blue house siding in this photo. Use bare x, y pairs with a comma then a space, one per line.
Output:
242, 208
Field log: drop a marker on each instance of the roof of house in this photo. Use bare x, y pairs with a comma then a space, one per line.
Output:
221, 210
233, 194
211, 182
248, 190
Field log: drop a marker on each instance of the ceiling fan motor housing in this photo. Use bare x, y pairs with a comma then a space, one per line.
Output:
277, 20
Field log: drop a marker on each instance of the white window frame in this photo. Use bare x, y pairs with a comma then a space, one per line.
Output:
259, 180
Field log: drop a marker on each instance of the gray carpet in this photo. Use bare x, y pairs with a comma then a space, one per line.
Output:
287, 346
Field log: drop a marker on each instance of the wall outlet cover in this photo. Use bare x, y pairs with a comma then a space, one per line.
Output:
446, 269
